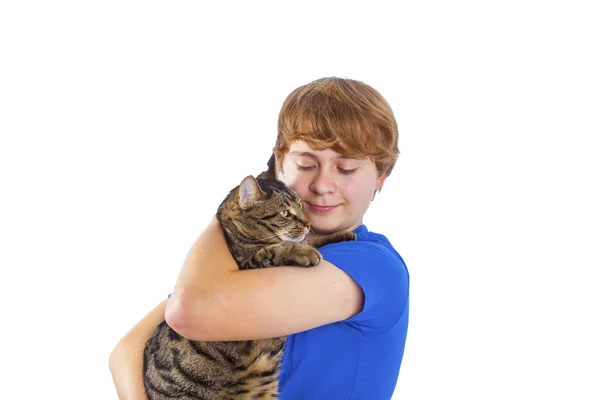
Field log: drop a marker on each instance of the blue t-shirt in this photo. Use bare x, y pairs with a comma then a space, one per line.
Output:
359, 358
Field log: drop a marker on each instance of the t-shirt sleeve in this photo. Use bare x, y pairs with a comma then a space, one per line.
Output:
382, 276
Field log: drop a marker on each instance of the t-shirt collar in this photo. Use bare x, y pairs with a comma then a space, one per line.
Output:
361, 229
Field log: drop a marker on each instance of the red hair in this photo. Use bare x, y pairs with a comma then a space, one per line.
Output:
344, 115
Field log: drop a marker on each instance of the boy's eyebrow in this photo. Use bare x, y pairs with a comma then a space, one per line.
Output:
302, 153
311, 155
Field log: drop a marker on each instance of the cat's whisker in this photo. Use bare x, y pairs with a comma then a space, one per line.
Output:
265, 237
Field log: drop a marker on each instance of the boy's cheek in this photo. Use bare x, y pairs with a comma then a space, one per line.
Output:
296, 183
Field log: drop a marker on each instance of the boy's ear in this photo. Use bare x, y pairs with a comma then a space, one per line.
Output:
379, 184
249, 192
380, 180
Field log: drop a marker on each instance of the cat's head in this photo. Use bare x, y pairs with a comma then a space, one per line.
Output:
269, 211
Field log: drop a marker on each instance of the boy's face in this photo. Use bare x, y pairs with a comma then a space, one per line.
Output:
336, 190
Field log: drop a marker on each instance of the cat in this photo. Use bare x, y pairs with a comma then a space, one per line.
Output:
264, 226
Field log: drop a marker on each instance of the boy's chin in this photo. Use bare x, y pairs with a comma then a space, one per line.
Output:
324, 228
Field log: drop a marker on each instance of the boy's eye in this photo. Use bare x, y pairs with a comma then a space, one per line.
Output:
303, 168
347, 171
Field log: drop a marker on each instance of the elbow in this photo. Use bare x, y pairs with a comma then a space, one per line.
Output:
112, 360
118, 357
179, 320
189, 317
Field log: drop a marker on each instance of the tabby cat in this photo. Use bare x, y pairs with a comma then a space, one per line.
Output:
264, 226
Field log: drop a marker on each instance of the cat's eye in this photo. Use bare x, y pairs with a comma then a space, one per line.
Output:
285, 213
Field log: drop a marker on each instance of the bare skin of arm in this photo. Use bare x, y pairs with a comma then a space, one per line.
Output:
213, 300
126, 359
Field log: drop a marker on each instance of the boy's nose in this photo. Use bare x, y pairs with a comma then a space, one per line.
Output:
323, 183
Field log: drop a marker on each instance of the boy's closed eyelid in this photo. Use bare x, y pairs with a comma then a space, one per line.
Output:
304, 167
306, 163
342, 165
348, 171
352, 166
343, 171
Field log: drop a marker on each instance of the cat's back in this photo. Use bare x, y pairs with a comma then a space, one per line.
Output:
176, 367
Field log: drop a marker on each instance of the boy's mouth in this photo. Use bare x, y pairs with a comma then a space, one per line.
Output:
321, 209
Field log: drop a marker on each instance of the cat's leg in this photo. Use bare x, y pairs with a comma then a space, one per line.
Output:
343, 236
286, 253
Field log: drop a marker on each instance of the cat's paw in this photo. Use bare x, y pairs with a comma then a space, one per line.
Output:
337, 237
305, 256
345, 236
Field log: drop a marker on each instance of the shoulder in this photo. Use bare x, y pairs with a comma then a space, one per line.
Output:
369, 250
373, 263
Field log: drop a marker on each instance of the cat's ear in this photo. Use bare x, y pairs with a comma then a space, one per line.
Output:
249, 192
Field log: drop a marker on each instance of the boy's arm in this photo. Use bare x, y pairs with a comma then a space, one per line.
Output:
127, 358
214, 300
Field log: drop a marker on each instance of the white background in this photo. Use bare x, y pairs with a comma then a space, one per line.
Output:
123, 125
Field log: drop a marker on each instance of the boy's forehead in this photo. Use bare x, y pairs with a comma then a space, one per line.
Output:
301, 148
